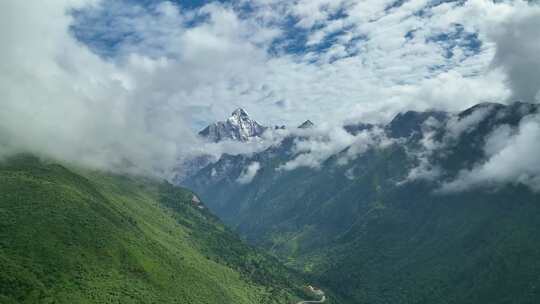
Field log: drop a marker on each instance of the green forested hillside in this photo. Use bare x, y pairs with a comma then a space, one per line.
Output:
74, 236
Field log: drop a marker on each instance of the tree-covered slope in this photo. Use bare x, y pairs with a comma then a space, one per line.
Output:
415, 247
74, 236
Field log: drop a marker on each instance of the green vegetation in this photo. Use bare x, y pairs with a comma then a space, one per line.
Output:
74, 236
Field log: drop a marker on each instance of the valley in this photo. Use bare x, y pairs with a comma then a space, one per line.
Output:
372, 234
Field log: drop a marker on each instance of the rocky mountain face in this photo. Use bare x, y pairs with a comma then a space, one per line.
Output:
373, 225
239, 126
306, 124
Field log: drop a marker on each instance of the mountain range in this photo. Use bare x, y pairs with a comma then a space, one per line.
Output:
373, 221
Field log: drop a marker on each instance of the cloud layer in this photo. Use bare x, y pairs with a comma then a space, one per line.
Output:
124, 86
62, 101
512, 158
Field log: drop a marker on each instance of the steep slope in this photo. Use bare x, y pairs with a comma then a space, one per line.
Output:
375, 238
86, 237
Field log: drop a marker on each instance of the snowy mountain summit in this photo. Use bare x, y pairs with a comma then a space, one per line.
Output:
239, 126
306, 125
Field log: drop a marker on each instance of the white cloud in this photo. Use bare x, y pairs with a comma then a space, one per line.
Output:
311, 12
249, 173
517, 52
498, 140
216, 149
224, 60
135, 110
453, 128
62, 101
367, 139
511, 160
456, 125
317, 144
425, 170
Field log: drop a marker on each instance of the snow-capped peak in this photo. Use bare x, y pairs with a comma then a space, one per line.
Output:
239, 113
239, 126
239, 117
306, 124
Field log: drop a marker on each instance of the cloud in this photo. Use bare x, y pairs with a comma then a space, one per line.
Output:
124, 87
62, 101
367, 139
358, 58
312, 12
457, 125
509, 153
214, 150
429, 145
517, 52
249, 173
315, 145
513, 159
498, 140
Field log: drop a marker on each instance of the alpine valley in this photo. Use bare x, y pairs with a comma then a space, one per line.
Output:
390, 217
270, 152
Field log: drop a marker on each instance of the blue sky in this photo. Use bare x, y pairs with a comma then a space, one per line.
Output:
127, 74
357, 52
93, 26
